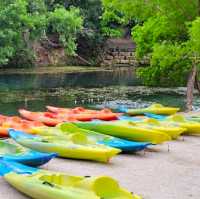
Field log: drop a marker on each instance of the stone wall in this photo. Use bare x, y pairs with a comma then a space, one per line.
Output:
120, 52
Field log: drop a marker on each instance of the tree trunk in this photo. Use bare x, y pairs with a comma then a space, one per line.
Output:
197, 83
193, 79
190, 87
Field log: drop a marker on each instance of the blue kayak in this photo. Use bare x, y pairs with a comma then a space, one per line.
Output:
9, 166
125, 145
128, 118
13, 152
156, 116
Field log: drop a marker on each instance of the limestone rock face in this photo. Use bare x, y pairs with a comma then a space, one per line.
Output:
49, 56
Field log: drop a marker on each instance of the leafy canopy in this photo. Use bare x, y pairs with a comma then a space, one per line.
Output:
90, 39
24, 21
166, 31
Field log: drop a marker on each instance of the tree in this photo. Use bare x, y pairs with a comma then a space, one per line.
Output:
65, 24
24, 21
166, 32
18, 29
90, 40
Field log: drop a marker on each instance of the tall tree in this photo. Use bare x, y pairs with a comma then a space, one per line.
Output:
166, 32
193, 77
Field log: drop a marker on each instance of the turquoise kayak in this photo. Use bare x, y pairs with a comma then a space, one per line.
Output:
13, 152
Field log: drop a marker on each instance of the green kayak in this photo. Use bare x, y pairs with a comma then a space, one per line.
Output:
126, 130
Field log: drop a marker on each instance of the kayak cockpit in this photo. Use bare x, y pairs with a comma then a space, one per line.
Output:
8, 148
104, 187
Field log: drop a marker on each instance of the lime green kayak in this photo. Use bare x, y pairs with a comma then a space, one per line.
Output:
77, 147
173, 131
193, 118
43, 184
70, 130
127, 130
155, 109
191, 127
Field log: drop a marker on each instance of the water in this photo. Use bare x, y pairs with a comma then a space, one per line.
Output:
122, 77
91, 89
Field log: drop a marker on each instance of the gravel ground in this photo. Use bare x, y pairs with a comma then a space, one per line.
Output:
155, 174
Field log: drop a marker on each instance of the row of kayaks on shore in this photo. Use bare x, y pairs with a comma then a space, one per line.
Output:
97, 140
84, 134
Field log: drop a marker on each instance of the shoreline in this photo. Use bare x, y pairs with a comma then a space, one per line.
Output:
59, 70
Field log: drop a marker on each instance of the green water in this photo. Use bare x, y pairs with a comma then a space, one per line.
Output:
92, 89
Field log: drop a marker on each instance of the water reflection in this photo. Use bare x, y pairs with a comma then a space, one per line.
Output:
90, 89
123, 77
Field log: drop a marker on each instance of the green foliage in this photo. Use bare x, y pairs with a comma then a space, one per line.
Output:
119, 14
194, 41
24, 21
154, 30
169, 65
90, 39
17, 28
162, 34
66, 24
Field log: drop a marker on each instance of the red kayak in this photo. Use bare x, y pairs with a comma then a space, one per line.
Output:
47, 118
82, 114
16, 123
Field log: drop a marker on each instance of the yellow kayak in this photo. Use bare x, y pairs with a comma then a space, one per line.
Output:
155, 109
77, 147
43, 184
70, 130
173, 131
179, 120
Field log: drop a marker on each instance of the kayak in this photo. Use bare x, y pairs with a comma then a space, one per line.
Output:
48, 119
127, 130
16, 123
82, 114
14, 152
193, 118
38, 184
133, 119
173, 131
155, 109
77, 147
70, 129
74, 110
156, 116
191, 127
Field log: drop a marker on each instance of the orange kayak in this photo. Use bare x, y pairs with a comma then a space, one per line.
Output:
49, 119
17, 123
82, 114
69, 110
